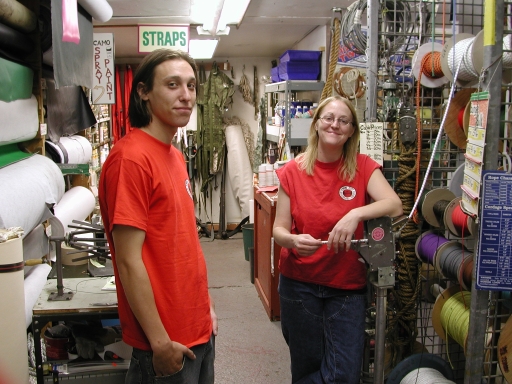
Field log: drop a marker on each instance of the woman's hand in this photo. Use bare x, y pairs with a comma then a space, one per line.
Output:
306, 245
340, 238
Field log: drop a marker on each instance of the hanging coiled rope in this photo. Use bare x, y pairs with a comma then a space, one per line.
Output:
245, 88
396, 21
333, 60
402, 328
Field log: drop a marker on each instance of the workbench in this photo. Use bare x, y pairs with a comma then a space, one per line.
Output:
89, 302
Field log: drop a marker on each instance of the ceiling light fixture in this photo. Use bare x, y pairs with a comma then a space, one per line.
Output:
233, 12
202, 49
216, 15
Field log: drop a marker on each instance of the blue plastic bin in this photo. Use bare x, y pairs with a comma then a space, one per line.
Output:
274, 74
299, 70
297, 55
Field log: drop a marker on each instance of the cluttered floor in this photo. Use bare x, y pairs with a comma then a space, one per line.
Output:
250, 349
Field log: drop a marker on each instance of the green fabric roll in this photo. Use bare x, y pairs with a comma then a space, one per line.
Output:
11, 154
15, 81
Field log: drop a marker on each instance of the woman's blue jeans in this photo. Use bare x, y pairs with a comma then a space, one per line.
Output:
324, 329
198, 371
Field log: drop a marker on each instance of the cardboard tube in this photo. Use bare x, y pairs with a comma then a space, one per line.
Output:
17, 16
13, 333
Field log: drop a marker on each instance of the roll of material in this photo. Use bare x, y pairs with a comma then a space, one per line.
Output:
13, 332
35, 245
16, 15
15, 81
23, 121
76, 204
27, 189
70, 150
100, 10
14, 45
34, 283
239, 168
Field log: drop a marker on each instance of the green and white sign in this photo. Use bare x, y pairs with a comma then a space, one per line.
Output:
152, 37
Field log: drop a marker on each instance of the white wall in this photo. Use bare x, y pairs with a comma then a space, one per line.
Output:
317, 40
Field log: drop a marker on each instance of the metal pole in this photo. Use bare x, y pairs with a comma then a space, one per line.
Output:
492, 78
380, 336
372, 46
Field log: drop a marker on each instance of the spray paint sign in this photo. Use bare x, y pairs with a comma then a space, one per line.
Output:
103, 91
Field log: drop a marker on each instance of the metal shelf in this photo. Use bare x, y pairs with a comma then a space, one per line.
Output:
296, 130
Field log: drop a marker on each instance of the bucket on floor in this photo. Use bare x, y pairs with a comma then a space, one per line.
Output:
248, 235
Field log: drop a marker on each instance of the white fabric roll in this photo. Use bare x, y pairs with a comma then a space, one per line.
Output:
23, 121
34, 283
26, 189
13, 332
239, 167
79, 149
100, 10
74, 149
76, 204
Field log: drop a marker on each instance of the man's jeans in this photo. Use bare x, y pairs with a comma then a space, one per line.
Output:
324, 329
198, 371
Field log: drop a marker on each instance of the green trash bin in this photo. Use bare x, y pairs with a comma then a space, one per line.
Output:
248, 235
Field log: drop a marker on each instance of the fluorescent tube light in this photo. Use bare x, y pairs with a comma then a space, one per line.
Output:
202, 49
233, 12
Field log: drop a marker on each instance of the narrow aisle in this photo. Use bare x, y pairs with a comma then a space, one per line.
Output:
250, 349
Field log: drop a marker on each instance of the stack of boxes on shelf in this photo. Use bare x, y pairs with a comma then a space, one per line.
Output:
297, 65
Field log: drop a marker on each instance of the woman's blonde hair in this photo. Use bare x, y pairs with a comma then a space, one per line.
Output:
348, 165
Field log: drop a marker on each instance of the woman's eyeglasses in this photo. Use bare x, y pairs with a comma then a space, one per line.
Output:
330, 120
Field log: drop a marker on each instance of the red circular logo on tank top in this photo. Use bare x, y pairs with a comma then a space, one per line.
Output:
347, 193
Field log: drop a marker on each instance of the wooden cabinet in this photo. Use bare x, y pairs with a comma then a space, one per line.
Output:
266, 253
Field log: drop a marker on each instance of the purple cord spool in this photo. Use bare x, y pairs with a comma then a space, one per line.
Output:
427, 246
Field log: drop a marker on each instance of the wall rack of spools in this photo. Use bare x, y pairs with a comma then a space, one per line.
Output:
441, 82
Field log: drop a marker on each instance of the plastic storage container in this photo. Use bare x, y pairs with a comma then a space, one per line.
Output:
297, 55
274, 74
299, 70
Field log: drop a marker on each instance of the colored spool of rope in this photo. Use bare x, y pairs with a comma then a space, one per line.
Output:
507, 51
466, 273
454, 317
425, 376
431, 65
451, 260
460, 117
427, 246
439, 209
460, 221
461, 53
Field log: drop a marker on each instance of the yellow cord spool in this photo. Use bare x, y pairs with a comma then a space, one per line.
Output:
450, 315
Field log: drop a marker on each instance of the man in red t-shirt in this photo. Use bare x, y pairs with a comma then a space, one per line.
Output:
147, 207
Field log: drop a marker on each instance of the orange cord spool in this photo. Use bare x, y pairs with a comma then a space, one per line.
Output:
431, 65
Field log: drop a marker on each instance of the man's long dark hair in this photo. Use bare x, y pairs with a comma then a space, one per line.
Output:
138, 111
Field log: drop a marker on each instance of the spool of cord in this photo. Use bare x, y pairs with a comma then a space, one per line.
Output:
426, 246
425, 376
454, 262
408, 370
457, 221
450, 315
463, 50
431, 199
426, 65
